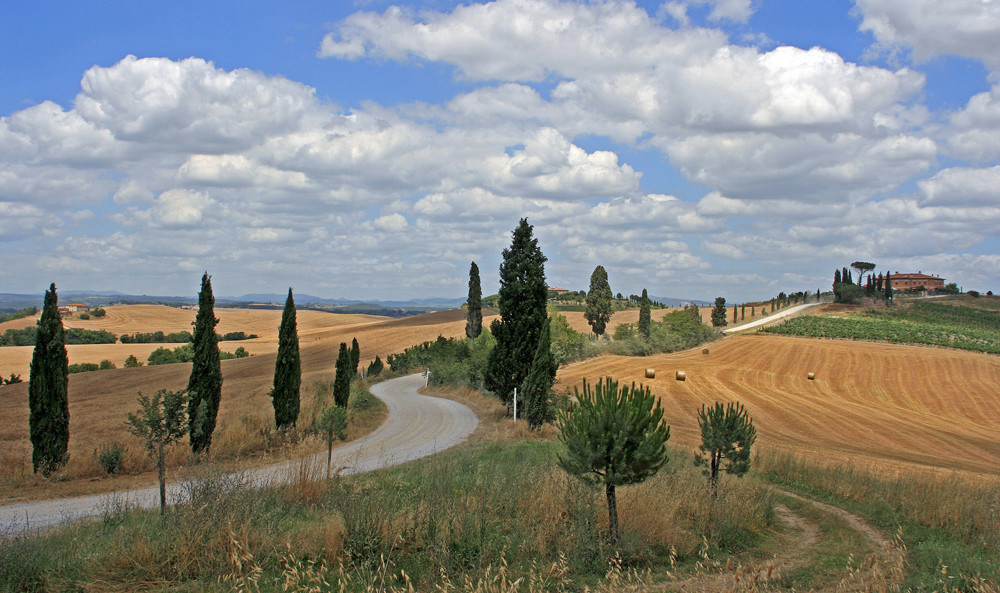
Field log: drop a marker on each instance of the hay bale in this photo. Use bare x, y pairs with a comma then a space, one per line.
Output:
681, 376
650, 373
811, 376
705, 351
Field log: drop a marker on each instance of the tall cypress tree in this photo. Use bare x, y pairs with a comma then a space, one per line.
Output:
48, 402
645, 317
205, 384
522, 299
287, 369
342, 380
474, 304
537, 387
598, 312
355, 357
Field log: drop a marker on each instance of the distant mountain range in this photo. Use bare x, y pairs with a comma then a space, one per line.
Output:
15, 302
398, 308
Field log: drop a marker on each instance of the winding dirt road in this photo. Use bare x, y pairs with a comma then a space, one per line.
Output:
417, 426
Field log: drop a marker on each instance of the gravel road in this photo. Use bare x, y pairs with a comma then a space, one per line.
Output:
416, 426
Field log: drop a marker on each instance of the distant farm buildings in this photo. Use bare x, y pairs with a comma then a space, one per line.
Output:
918, 281
68, 310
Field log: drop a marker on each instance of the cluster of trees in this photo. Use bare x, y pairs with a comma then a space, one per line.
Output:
520, 364
616, 436
29, 336
157, 337
868, 286
181, 337
30, 311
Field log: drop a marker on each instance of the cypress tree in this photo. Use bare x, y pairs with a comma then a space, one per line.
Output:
355, 356
645, 321
735, 314
598, 312
537, 387
522, 299
205, 383
743, 312
48, 402
888, 287
474, 304
719, 313
342, 380
287, 369
836, 277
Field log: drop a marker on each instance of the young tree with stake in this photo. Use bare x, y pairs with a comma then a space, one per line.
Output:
159, 422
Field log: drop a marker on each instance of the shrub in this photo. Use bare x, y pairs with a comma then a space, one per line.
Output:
110, 457
84, 316
106, 365
83, 367
98, 312
132, 362
241, 352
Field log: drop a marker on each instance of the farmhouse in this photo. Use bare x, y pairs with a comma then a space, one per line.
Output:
918, 281
67, 310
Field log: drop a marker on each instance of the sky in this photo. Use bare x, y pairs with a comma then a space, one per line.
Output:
373, 149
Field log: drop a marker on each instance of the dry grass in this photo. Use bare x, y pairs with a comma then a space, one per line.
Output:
909, 405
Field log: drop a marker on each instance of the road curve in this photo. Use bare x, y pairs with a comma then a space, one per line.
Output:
417, 426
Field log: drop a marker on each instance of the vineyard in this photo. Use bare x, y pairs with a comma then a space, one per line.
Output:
932, 324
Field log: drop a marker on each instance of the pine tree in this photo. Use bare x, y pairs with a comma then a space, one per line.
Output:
522, 303
355, 356
613, 438
287, 369
48, 402
645, 317
536, 390
726, 433
474, 304
599, 297
342, 380
205, 383
719, 313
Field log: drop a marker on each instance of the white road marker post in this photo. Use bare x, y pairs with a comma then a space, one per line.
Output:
427, 376
515, 404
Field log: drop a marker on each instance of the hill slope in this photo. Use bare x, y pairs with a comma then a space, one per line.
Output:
911, 404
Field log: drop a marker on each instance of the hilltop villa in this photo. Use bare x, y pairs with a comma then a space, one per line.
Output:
918, 281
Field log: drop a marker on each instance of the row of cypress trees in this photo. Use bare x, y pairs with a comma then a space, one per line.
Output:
49, 380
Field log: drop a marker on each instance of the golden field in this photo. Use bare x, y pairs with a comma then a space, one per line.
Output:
869, 402
905, 406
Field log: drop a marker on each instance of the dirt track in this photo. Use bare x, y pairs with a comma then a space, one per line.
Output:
417, 426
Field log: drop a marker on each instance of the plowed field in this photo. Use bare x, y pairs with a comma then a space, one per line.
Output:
917, 405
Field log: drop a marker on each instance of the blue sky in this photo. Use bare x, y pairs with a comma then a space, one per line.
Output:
696, 148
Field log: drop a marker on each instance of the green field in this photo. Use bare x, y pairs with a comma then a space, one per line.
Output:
930, 323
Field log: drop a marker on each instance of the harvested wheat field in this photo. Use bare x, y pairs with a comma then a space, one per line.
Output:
869, 402
100, 401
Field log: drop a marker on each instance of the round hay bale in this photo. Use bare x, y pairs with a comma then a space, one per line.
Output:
681, 376
705, 351
650, 373
811, 376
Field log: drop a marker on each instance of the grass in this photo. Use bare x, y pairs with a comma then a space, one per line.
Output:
478, 517
944, 520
